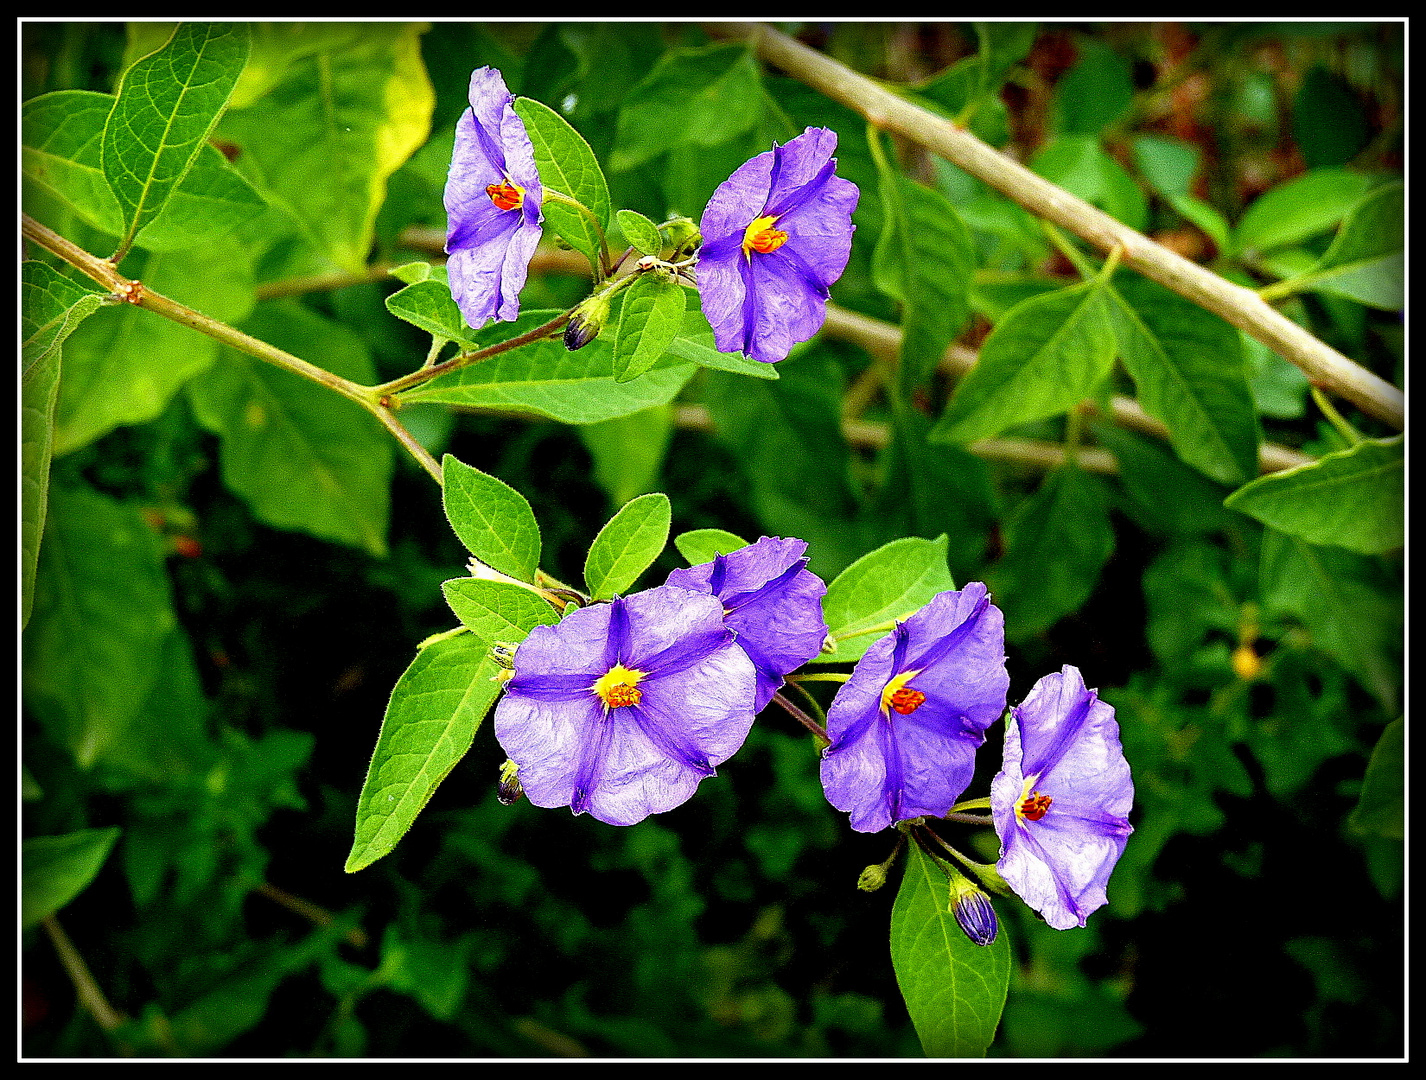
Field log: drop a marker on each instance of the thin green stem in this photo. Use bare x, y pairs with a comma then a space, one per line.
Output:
1338, 421
803, 719
416, 378
601, 268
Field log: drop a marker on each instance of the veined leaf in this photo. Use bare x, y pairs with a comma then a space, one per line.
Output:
1189, 370
301, 456
492, 519
430, 722
567, 164
165, 108
882, 587
1354, 498
650, 317
497, 610
627, 545
51, 306
1367, 259
641, 233
428, 304
699, 546
954, 989
1047, 354
1302, 207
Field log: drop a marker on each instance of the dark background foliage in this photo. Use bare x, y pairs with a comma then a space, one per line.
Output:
1245, 920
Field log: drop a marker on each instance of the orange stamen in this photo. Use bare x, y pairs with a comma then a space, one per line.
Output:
1035, 807
761, 237
505, 195
907, 700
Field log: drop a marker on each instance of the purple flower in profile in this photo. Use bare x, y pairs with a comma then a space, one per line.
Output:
776, 235
492, 199
621, 709
771, 601
1061, 802
906, 725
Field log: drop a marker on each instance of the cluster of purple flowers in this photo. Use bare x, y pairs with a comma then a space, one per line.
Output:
620, 710
776, 234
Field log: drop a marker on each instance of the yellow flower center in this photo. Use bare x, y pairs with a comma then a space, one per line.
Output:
901, 697
760, 236
505, 195
1033, 806
619, 686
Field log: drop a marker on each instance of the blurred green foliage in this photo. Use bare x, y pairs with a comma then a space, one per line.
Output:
253, 647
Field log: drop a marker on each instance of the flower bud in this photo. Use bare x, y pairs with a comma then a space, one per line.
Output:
872, 878
586, 322
682, 236
973, 911
509, 791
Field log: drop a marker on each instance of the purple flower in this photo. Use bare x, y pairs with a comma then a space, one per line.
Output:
771, 601
906, 725
1061, 802
492, 198
621, 709
776, 235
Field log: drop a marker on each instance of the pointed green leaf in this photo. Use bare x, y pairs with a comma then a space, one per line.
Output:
567, 164
497, 610
1381, 807
1354, 498
882, 587
339, 111
641, 233
695, 344
1055, 547
924, 257
492, 519
56, 869
1078, 163
51, 306
1302, 207
102, 611
430, 722
428, 304
627, 545
1189, 370
165, 108
301, 456
1046, 355
704, 545
954, 989
546, 379
650, 317
1367, 259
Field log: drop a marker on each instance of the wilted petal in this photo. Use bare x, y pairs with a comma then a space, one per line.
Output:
1061, 801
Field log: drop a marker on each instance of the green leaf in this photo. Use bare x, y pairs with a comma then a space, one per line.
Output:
1045, 356
302, 456
546, 379
628, 451
166, 107
704, 545
497, 610
492, 519
1367, 259
1056, 545
1304, 206
641, 233
695, 344
701, 96
1189, 370
430, 722
925, 258
51, 306
56, 869
651, 315
428, 304
627, 545
1381, 807
567, 164
62, 167
1078, 163
1168, 165
102, 611
337, 114
882, 587
954, 989
1096, 92
1354, 498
